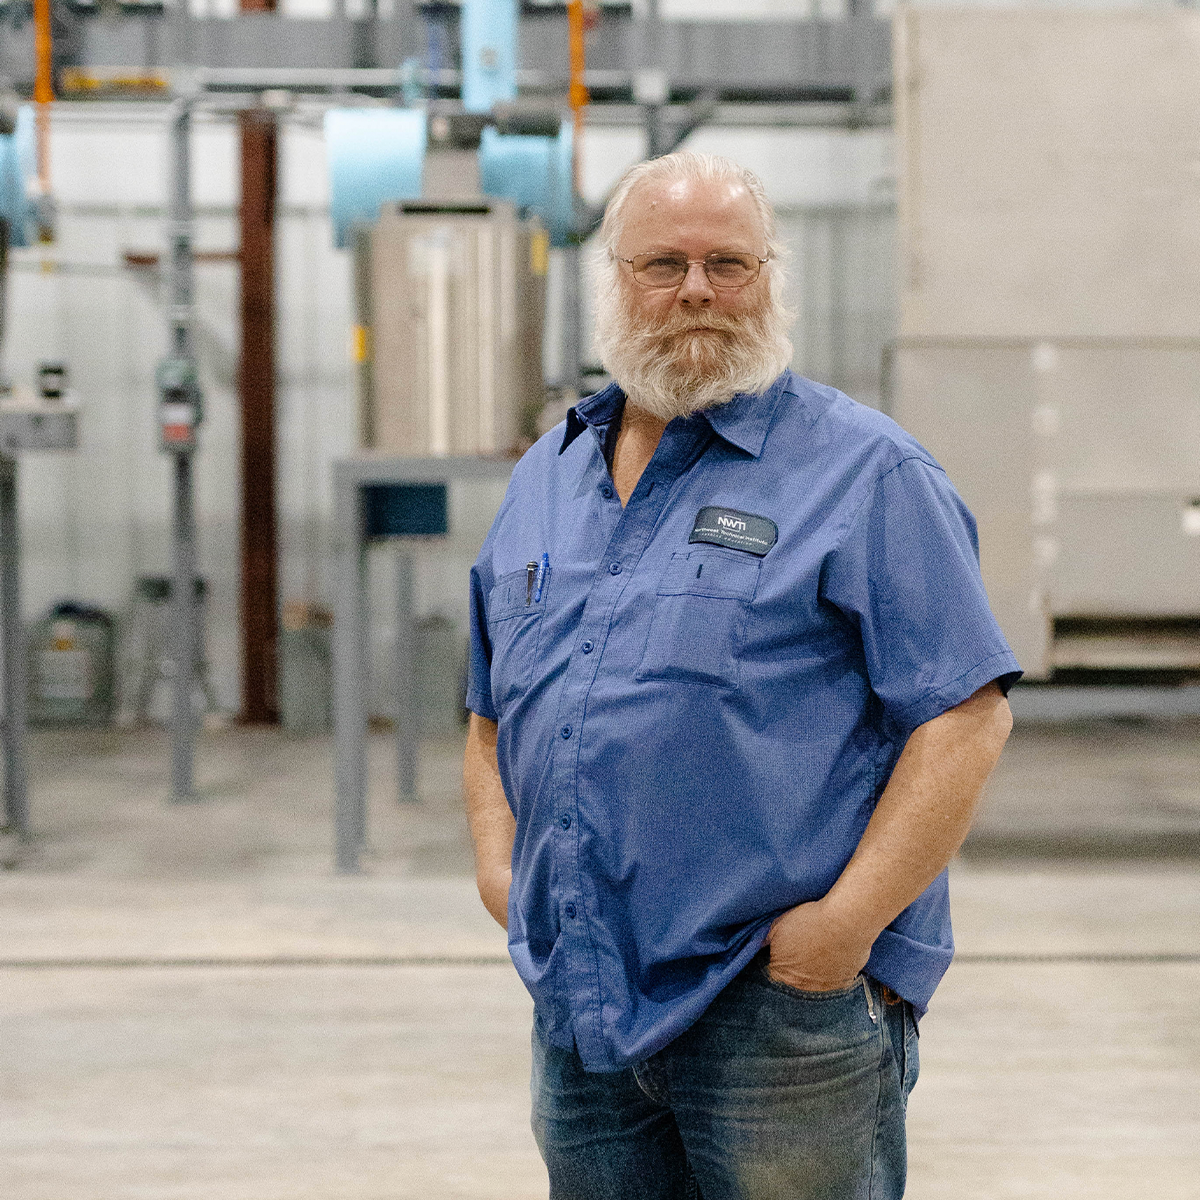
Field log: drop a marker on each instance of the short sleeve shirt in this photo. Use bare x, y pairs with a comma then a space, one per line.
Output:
702, 694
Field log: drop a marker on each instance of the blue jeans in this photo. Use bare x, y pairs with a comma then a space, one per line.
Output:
774, 1094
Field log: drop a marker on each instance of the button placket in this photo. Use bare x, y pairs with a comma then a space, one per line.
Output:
631, 537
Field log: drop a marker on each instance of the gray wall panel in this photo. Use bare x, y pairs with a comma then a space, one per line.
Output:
973, 410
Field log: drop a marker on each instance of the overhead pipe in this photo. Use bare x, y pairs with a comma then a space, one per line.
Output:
43, 97
577, 24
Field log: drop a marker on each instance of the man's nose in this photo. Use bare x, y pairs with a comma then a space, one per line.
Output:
695, 288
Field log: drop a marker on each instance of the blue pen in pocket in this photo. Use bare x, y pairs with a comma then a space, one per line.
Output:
543, 568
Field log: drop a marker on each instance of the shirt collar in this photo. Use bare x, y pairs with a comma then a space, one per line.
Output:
743, 422
599, 410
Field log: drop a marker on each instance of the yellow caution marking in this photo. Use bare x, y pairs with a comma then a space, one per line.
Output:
539, 252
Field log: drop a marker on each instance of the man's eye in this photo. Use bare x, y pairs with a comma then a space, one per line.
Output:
663, 264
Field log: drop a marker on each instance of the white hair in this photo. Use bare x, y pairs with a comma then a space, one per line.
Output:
658, 374
697, 168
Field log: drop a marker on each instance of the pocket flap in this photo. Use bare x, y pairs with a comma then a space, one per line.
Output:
507, 597
711, 572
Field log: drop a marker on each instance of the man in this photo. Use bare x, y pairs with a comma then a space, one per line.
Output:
735, 690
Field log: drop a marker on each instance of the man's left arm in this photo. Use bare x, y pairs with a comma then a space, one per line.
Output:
918, 825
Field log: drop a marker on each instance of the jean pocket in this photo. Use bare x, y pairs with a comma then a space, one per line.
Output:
839, 1029
699, 616
806, 994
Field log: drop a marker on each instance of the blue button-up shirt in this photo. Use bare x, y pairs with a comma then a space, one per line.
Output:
694, 734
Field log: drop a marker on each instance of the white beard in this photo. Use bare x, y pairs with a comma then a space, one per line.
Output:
670, 372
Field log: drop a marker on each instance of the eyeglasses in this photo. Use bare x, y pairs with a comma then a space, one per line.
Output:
724, 268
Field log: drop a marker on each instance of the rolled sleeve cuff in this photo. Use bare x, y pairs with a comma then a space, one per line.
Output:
1001, 668
913, 969
480, 703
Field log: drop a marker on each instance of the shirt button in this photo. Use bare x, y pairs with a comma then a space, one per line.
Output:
606, 492
565, 731
587, 647
565, 821
614, 568
570, 910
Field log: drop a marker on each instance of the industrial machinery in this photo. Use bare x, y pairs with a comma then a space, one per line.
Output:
453, 319
1050, 309
451, 217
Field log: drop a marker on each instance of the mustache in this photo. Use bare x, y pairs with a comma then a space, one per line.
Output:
677, 322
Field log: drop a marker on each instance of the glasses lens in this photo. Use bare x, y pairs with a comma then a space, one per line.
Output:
725, 269
731, 270
659, 270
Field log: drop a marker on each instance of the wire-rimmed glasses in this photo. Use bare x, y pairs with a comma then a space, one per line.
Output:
724, 268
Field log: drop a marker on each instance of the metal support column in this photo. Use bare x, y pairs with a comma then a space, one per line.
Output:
571, 315
350, 676
185, 611
16, 781
256, 387
656, 134
352, 477
650, 84
408, 732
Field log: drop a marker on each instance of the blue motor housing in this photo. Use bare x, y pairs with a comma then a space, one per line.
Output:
535, 173
375, 155
18, 165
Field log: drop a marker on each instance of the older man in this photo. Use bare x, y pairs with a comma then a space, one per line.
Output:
735, 690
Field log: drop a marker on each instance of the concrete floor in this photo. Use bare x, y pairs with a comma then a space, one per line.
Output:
192, 1007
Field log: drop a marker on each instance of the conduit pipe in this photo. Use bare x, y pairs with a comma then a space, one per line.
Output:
43, 96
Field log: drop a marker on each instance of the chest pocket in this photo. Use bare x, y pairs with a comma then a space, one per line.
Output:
699, 617
514, 628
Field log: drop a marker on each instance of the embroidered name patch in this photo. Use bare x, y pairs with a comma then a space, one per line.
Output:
737, 530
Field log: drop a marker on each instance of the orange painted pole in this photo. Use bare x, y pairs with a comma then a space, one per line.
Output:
578, 95
43, 95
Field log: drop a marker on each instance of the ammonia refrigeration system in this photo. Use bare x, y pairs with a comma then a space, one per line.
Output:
450, 218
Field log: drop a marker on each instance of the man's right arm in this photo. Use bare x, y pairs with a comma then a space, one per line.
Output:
492, 825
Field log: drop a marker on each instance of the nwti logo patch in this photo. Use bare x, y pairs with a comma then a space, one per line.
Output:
737, 530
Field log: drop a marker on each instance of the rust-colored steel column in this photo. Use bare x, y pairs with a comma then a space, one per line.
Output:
256, 387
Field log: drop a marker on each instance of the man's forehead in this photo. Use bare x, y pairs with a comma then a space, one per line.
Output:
685, 197
695, 216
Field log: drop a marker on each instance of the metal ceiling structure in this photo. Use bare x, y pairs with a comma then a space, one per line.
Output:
804, 72
669, 78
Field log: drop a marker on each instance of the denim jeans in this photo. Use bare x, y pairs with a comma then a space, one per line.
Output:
774, 1094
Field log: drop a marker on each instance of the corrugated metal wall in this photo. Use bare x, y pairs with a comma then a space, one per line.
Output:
94, 520
842, 287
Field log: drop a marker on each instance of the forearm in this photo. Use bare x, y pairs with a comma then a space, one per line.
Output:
918, 824
489, 817
923, 815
